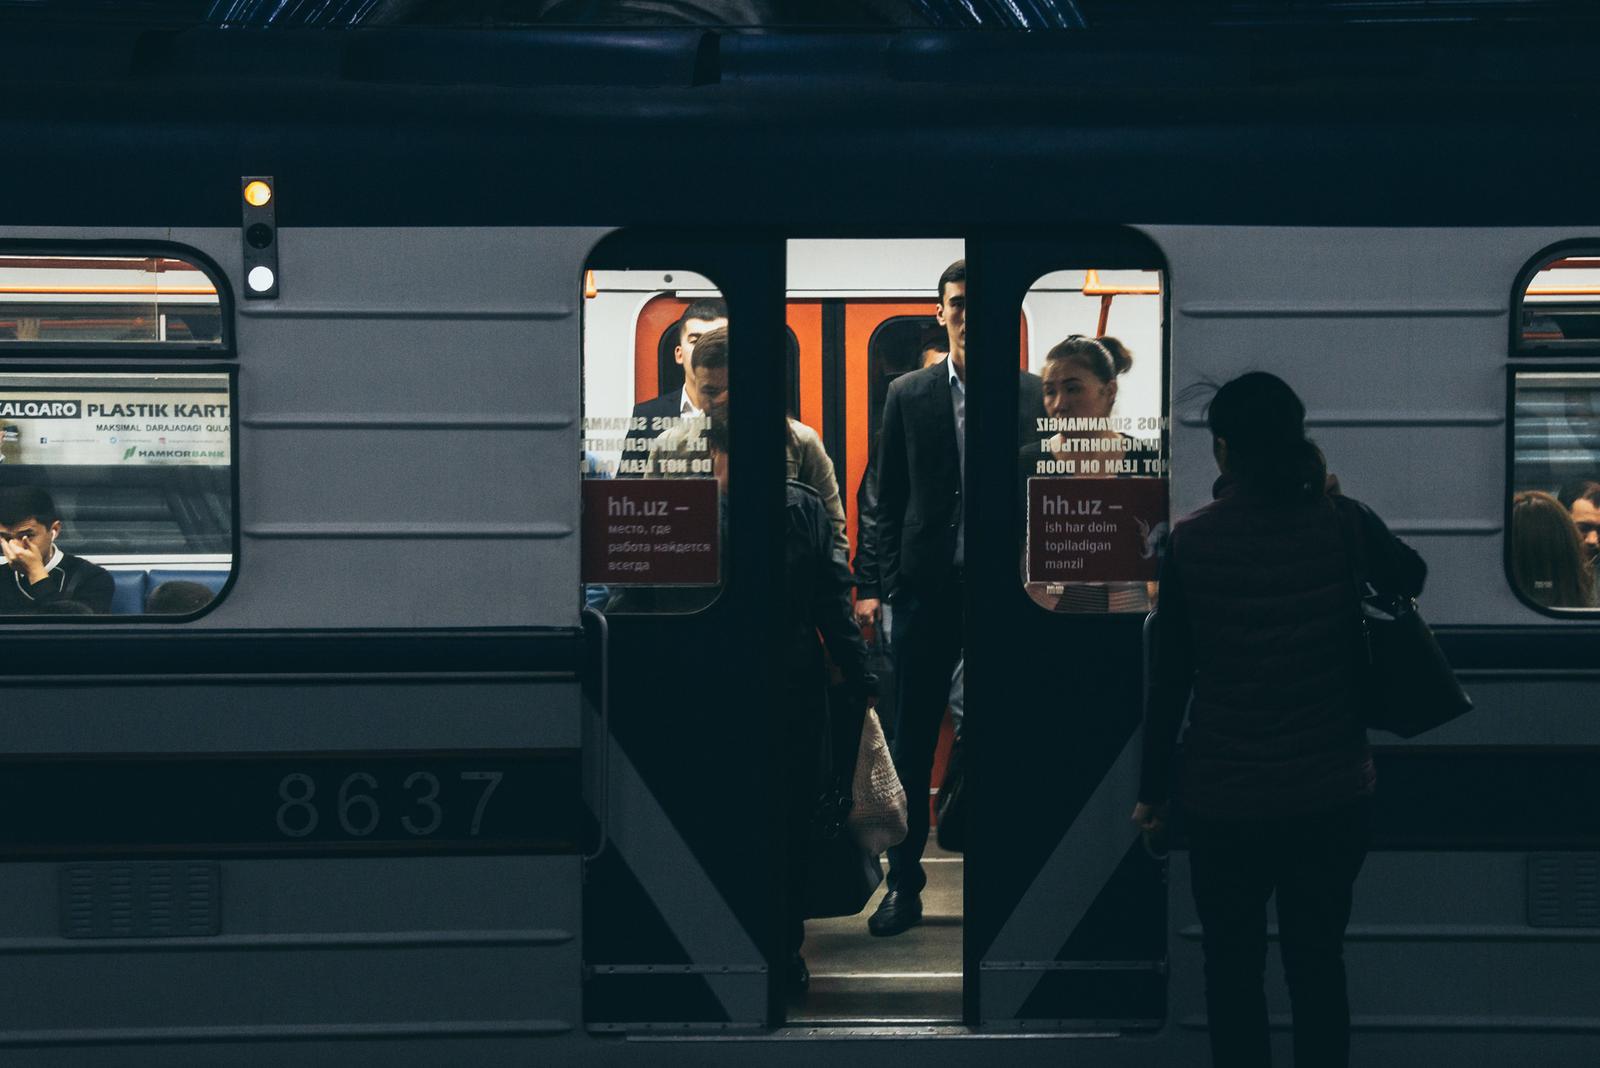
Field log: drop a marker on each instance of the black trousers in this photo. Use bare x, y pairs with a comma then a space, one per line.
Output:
1311, 863
927, 645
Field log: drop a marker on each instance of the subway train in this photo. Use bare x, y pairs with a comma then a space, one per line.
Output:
401, 793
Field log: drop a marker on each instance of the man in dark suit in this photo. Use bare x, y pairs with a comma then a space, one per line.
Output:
653, 416
920, 540
869, 607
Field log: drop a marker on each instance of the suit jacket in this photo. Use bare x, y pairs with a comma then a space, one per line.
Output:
636, 446
919, 476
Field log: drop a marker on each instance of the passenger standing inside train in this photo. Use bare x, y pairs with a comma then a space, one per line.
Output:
1548, 562
921, 459
1079, 380
676, 449
818, 603
662, 412
38, 571
1581, 498
1257, 635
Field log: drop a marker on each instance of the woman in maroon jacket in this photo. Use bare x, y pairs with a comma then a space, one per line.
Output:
1256, 634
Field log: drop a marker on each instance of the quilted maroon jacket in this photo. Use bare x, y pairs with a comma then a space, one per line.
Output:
1257, 622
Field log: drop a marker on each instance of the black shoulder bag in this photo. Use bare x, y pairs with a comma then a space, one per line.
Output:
1409, 686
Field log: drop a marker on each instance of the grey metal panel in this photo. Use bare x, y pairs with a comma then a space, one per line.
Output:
492, 940
392, 365
269, 716
459, 292
451, 482
1520, 712
1367, 324
406, 269
292, 988
336, 895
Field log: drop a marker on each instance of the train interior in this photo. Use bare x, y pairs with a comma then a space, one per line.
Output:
139, 465
859, 315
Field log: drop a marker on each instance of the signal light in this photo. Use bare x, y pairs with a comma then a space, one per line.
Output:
260, 232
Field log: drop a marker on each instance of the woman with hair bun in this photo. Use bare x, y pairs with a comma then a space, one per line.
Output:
1257, 635
1079, 381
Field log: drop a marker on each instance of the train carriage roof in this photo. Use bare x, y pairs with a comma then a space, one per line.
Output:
925, 14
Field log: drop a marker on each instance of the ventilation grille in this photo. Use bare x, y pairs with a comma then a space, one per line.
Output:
1564, 890
144, 899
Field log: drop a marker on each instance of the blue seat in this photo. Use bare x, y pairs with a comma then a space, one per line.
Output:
128, 598
211, 580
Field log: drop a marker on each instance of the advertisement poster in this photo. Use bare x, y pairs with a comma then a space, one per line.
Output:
111, 427
651, 531
1095, 529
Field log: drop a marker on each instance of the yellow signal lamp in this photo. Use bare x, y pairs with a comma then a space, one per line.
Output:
257, 193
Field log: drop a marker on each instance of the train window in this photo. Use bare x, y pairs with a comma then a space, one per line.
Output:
1559, 305
1093, 441
73, 300
1553, 534
653, 459
116, 492
899, 344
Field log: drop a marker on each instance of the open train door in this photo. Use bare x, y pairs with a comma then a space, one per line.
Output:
1066, 911
682, 895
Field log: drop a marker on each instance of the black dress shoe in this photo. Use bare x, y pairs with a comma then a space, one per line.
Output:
899, 911
797, 977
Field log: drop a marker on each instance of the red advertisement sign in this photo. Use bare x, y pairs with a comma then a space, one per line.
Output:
1095, 529
650, 532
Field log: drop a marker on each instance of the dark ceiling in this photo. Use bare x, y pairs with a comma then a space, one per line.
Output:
859, 14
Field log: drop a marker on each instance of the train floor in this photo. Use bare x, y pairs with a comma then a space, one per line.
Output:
911, 977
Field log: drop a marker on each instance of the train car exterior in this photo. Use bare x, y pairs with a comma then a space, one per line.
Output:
396, 797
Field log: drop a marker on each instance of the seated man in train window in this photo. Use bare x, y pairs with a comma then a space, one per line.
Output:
40, 574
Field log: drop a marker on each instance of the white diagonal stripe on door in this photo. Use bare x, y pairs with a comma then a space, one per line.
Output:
1065, 888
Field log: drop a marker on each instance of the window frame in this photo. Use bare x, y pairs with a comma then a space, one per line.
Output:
231, 373
1166, 412
1548, 350
1513, 370
601, 259
223, 348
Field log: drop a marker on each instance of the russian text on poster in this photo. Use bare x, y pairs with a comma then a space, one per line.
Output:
650, 532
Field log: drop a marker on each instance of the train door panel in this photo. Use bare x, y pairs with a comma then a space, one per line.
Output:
1066, 910
804, 319
681, 904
